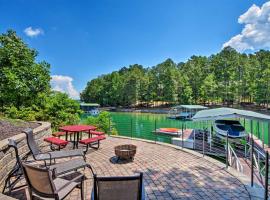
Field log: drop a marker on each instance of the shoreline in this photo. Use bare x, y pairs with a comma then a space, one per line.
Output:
138, 110
165, 110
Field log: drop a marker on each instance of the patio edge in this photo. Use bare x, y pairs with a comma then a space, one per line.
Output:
256, 192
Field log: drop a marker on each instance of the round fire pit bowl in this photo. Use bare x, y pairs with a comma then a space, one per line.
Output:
126, 151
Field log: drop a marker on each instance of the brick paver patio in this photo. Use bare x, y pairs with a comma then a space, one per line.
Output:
168, 173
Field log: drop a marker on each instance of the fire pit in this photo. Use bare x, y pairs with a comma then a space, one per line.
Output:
126, 151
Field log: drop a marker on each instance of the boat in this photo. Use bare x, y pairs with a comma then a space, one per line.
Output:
233, 128
168, 131
184, 112
90, 108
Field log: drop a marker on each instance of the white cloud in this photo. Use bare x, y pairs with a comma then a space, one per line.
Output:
64, 84
256, 32
29, 31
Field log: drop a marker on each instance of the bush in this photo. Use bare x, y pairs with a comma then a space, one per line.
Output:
60, 110
102, 122
26, 114
56, 108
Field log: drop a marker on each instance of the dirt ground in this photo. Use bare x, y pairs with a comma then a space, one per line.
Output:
9, 127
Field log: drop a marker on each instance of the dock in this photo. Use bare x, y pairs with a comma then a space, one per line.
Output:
239, 157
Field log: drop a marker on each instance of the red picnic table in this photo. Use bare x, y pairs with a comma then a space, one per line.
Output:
76, 130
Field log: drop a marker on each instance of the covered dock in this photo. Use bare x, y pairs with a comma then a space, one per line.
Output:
249, 157
185, 111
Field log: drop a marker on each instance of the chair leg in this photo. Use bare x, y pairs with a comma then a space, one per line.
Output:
82, 190
30, 194
89, 166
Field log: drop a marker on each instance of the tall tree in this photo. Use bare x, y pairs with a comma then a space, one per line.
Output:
22, 79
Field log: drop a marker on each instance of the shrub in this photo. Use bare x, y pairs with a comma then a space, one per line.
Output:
102, 121
56, 108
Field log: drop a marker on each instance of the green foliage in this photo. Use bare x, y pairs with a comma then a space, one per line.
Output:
102, 121
22, 79
25, 91
223, 78
57, 108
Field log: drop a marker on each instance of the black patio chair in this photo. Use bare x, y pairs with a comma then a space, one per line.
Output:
42, 184
16, 174
118, 188
51, 155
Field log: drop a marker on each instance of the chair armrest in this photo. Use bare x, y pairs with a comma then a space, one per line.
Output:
50, 157
69, 182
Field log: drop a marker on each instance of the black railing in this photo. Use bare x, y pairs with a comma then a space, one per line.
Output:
234, 153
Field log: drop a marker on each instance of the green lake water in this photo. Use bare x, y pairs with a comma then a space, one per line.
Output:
142, 125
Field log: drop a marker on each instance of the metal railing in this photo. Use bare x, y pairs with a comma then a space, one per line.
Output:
233, 159
234, 153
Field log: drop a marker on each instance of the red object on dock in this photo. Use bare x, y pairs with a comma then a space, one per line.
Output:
170, 130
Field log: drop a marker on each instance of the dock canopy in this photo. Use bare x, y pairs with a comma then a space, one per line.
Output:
90, 104
222, 113
195, 107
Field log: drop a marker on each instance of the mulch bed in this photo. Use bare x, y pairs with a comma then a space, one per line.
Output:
9, 128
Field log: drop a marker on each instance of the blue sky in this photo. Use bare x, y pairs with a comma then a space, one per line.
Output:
84, 39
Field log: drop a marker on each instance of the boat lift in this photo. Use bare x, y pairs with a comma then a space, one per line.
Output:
256, 154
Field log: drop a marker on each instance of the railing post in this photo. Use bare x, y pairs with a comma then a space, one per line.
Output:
263, 135
227, 150
266, 175
252, 161
109, 126
182, 137
131, 127
203, 141
211, 132
155, 131
251, 156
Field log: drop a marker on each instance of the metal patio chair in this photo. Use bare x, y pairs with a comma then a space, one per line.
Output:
16, 174
51, 155
118, 188
42, 184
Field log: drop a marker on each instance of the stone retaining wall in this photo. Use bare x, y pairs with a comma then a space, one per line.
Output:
8, 159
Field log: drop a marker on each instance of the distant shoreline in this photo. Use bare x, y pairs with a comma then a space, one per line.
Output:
166, 110
138, 110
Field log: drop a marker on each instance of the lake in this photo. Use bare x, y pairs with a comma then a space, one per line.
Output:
142, 125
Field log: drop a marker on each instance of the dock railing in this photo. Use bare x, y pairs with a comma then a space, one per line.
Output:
244, 156
233, 159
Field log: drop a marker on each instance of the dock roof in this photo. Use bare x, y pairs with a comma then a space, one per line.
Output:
90, 104
191, 107
222, 113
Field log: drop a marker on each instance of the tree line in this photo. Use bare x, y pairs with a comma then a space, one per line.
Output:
228, 77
